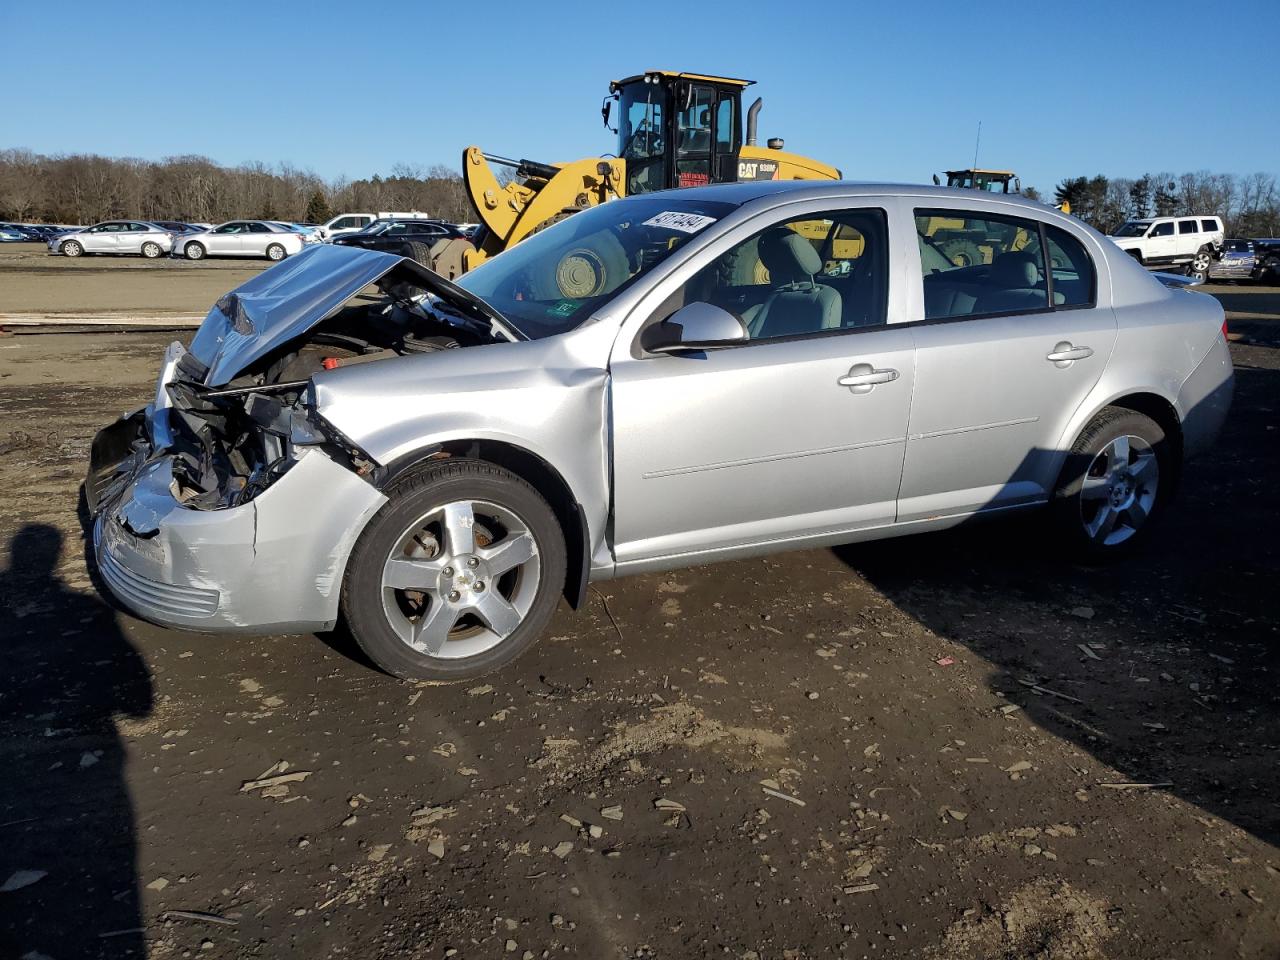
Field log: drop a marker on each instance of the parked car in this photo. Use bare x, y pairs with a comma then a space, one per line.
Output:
345, 223
41, 231
240, 238
17, 233
1187, 242
307, 231
396, 236
176, 226
1238, 261
663, 380
1267, 250
114, 236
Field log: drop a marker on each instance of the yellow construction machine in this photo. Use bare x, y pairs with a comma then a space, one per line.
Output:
674, 130
965, 246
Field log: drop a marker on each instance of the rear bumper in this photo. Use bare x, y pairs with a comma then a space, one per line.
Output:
1204, 400
272, 565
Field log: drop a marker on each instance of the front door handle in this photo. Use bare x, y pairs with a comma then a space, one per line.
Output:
862, 377
1064, 353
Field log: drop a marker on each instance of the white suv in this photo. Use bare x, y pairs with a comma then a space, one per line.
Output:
1190, 242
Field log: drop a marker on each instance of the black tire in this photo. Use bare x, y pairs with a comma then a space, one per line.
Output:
151, 250
1198, 268
1136, 254
276, 252
71, 248
417, 251
413, 496
1071, 511
962, 252
194, 251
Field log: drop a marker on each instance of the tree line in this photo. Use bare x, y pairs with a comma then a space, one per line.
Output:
88, 188
1249, 205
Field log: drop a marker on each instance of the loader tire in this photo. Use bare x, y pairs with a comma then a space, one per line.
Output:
418, 252
961, 252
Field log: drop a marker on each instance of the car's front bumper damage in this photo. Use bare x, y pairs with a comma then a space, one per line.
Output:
272, 565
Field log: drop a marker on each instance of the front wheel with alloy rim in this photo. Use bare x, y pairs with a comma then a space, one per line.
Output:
1199, 267
456, 575
1116, 480
193, 251
151, 250
72, 249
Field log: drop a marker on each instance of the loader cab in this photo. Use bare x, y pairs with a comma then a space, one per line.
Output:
676, 129
989, 181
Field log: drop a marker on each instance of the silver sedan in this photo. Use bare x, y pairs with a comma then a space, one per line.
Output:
660, 381
240, 238
115, 236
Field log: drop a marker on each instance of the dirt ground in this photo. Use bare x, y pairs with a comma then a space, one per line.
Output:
33, 281
949, 747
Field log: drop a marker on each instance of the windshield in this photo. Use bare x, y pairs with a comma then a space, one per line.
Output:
551, 282
1134, 228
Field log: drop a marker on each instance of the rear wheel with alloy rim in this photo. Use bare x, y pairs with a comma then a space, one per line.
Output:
275, 252
457, 575
151, 250
1116, 480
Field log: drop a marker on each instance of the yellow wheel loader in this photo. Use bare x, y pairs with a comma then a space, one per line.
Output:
965, 247
674, 130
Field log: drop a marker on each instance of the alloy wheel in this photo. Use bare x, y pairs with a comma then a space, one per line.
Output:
461, 579
1119, 490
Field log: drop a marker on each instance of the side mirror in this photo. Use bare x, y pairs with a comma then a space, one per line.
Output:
606, 109
696, 327
936, 181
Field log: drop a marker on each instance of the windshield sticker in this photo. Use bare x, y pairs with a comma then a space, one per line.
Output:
565, 308
684, 222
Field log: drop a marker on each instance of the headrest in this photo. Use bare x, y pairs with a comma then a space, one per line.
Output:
1015, 271
788, 257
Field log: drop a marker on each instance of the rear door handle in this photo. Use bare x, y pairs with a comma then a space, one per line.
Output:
1064, 352
862, 377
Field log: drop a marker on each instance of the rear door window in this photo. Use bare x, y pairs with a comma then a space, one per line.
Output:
977, 264
1188, 226
1074, 278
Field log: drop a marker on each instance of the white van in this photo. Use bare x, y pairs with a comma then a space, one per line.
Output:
1190, 242
351, 222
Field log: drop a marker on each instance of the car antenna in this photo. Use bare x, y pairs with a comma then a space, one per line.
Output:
976, 142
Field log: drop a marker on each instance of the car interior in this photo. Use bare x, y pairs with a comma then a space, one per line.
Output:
1009, 276
803, 277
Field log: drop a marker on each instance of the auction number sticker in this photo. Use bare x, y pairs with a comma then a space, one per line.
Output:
684, 222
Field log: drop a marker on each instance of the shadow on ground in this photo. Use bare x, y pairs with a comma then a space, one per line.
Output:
66, 821
1166, 668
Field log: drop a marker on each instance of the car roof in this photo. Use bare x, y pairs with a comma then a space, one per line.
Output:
742, 193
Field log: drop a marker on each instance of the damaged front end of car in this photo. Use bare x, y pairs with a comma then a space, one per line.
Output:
175, 487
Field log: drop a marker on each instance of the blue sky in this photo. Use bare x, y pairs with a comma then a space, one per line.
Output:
886, 91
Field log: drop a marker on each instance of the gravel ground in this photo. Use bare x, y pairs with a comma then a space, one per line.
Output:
940, 747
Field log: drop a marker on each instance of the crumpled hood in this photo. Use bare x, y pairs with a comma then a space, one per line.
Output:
281, 303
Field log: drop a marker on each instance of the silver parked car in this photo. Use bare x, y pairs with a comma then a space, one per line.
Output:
115, 236
241, 238
664, 380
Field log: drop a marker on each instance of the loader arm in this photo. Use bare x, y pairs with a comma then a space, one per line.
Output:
510, 213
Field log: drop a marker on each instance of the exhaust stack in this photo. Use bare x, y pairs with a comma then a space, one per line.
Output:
752, 114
